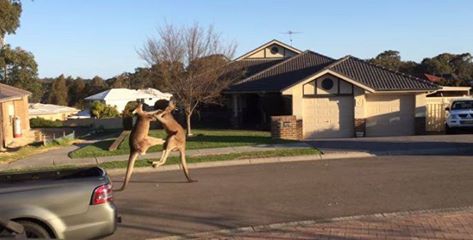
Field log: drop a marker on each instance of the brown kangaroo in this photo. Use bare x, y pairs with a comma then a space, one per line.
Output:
139, 140
175, 140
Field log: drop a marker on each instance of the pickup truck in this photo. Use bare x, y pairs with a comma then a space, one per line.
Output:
63, 204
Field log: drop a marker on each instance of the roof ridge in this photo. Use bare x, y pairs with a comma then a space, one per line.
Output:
12, 88
393, 71
272, 67
316, 53
343, 59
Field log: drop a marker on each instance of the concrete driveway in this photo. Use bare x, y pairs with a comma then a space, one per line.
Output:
427, 144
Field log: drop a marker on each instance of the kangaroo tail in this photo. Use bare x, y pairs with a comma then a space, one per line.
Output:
129, 170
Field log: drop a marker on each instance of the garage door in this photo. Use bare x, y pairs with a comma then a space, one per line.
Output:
390, 115
330, 117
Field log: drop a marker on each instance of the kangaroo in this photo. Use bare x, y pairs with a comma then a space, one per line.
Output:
139, 140
175, 140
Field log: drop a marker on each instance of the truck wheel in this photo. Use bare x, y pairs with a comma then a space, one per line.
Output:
34, 230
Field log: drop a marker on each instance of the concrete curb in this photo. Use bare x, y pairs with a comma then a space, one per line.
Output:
276, 226
252, 161
325, 156
425, 151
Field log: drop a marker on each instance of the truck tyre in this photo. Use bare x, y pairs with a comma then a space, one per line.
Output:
34, 230
448, 130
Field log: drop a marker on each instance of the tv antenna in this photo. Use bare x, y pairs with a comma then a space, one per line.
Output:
290, 33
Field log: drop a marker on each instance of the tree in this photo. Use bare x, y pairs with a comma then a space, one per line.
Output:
455, 69
10, 11
20, 69
96, 85
120, 81
59, 91
101, 110
191, 61
389, 59
77, 92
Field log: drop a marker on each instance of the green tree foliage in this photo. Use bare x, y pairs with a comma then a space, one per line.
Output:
77, 92
10, 11
19, 69
58, 94
454, 69
389, 59
102, 110
96, 85
120, 81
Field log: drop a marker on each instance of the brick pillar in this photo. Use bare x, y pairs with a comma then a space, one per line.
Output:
286, 127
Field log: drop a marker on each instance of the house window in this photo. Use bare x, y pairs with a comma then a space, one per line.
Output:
274, 50
327, 84
326, 87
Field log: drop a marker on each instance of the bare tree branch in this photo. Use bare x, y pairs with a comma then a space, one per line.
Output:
193, 62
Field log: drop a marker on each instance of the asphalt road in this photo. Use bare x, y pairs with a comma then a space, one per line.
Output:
162, 203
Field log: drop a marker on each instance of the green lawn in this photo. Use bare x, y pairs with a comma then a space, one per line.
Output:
201, 139
221, 157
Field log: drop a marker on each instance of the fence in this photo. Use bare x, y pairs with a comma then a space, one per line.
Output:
107, 123
49, 139
436, 114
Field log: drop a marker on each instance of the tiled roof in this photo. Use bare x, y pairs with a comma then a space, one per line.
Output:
432, 78
253, 66
283, 74
297, 68
377, 77
8, 92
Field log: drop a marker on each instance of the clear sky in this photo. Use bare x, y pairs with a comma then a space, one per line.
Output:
89, 37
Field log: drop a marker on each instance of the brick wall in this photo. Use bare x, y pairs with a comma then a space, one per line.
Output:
286, 127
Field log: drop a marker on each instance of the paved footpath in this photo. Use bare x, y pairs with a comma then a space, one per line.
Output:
60, 156
451, 225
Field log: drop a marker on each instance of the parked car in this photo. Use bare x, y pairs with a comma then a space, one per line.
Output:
64, 204
460, 115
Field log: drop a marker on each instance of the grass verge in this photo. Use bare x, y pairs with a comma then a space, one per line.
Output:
201, 139
220, 157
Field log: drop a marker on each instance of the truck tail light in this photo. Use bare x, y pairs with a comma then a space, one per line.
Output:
102, 194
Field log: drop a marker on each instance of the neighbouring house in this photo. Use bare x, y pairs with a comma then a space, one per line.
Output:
51, 111
447, 91
119, 97
14, 120
436, 103
306, 95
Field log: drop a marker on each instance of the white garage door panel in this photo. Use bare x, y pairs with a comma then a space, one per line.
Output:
390, 115
330, 117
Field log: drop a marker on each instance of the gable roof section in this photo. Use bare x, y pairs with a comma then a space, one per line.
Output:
8, 92
274, 41
283, 74
377, 77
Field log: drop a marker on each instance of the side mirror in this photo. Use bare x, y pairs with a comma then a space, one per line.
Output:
447, 109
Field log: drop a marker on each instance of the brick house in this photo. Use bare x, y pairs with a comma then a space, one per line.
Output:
13, 109
315, 96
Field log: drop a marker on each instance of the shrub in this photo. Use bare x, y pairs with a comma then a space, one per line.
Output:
102, 110
44, 123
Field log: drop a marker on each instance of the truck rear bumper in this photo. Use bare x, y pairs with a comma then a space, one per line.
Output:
99, 221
